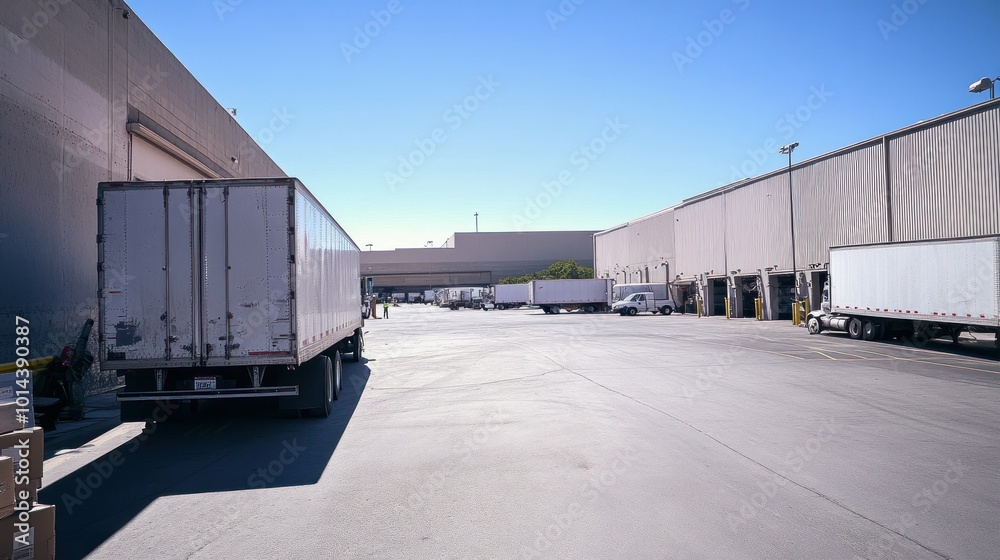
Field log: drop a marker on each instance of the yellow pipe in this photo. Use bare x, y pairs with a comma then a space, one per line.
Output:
35, 365
727, 308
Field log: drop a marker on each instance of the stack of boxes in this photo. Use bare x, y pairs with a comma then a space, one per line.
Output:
27, 528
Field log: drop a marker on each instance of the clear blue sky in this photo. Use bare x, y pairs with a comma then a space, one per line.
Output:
694, 92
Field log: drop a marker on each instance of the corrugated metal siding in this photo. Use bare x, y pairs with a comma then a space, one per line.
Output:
946, 179
642, 245
700, 237
758, 227
840, 201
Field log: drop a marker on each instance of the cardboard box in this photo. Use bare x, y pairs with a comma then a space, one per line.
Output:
38, 542
11, 446
8, 417
7, 491
8, 395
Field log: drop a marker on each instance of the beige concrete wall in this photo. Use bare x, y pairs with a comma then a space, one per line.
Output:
73, 75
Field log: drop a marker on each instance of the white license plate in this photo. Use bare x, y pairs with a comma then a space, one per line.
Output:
204, 383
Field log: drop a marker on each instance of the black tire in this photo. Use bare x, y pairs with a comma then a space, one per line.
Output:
323, 366
338, 377
814, 326
666, 310
501, 307
854, 329
632, 312
588, 309
357, 346
869, 329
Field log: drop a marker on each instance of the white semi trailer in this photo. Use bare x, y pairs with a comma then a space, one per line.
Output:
917, 290
510, 296
591, 294
228, 288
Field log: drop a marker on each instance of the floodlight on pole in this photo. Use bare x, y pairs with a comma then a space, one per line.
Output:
984, 84
369, 245
788, 149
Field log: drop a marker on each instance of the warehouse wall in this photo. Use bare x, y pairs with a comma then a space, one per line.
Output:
946, 179
74, 78
642, 245
937, 179
489, 255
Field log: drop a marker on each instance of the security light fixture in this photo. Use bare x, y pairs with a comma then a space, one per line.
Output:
369, 245
982, 85
788, 148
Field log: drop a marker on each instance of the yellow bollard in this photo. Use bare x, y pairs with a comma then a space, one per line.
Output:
727, 309
795, 313
758, 305
805, 308
697, 304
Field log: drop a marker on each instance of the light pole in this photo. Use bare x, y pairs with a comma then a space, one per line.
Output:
477, 221
369, 245
788, 149
982, 85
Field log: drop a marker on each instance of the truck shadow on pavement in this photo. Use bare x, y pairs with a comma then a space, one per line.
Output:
229, 446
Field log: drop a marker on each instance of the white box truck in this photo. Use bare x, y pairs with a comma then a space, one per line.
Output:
591, 294
510, 296
917, 290
228, 288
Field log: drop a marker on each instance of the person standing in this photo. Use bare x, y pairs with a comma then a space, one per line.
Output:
385, 309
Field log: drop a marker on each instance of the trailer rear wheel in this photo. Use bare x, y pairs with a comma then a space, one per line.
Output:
322, 366
869, 329
855, 329
357, 344
666, 310
588, 309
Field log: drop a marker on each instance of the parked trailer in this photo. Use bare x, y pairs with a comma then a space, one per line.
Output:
591, 295
921, 290
454, 298
228, 288
510, 296
428, 296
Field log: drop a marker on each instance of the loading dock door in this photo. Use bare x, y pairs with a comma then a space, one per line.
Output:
750, 291
783, 295
718, 287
